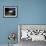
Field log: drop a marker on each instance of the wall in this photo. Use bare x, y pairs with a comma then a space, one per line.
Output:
32, 11
7, 25
29, 12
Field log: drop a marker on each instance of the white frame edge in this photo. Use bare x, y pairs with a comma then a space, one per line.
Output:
18, 33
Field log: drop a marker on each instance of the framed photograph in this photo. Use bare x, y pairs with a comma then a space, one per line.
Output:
10, 11
33, 32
